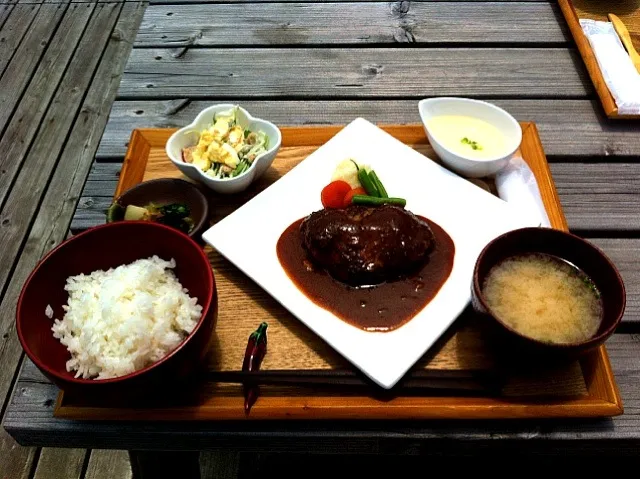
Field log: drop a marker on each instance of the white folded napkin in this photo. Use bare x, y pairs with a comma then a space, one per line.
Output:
621, 77
516, 184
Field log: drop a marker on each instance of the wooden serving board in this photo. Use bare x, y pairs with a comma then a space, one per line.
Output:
462, 376
629, 13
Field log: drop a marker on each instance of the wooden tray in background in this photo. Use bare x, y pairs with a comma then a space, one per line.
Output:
303, 378
629, 13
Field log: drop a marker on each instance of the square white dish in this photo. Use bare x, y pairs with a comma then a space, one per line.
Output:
471, 216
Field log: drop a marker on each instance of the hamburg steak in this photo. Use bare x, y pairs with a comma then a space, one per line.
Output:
362, 245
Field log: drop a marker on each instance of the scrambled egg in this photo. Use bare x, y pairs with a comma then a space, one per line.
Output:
225, 149
216, 145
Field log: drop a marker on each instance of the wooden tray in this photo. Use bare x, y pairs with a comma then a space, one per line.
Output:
629, 13
303, 378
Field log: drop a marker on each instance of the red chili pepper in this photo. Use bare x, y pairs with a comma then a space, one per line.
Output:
253, 356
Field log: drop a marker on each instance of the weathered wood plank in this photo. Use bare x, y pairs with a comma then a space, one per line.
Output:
18, 73
58, 463
50, 226
16, 461
599, 197
105, 464
625, 254
25, 122
32, 179
353, 72
5, 10
69, 177
333, 23
102, 179
57, 208
29, 419
90, 212
104, 172
50, 1
13, 31
99, 188
399, 2
567, 127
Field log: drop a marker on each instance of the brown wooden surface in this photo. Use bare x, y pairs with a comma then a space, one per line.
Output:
629, 13
292, 347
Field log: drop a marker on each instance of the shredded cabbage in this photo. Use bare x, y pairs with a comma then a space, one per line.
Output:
226, 149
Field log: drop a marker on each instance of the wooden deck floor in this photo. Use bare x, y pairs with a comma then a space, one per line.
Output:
61, 65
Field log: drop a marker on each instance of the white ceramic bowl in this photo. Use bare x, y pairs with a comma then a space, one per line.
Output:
464, 165
189, 135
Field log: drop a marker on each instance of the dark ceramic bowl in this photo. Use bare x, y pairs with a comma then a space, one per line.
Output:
570, 248
102, 248
170, 190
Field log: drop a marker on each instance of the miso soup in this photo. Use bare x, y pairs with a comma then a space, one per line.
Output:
544, 298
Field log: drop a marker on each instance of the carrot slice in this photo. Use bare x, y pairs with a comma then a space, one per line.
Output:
333, 194
356, 191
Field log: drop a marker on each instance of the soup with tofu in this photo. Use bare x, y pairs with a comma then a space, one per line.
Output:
544, 298
468, 136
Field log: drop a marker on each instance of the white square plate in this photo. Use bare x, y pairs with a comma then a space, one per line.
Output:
471, 216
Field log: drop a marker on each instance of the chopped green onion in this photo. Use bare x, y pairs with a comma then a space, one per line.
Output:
473, 144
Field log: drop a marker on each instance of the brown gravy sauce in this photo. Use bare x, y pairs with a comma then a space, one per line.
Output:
384, 307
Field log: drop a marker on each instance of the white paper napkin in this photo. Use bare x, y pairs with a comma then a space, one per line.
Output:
516, 184
616, 66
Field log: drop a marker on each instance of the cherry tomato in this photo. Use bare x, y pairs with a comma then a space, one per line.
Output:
333, 194
356, 191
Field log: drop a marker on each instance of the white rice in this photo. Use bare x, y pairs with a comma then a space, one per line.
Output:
121, 320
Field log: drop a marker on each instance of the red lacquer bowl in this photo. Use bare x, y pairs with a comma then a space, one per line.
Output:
102, 248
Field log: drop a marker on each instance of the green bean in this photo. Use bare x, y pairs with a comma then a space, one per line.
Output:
374, 201
378, 184
367, 184
240, 169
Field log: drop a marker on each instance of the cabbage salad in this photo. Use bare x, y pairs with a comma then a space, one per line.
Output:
225, 149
